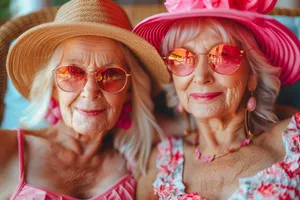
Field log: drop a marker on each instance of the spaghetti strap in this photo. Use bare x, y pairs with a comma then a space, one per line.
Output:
21, 155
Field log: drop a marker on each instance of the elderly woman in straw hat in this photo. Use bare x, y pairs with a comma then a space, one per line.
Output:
228, 61
82, 73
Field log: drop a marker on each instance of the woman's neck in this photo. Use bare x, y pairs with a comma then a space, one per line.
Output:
85, 146
216, 135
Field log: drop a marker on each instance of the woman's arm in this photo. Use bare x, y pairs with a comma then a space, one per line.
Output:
9, 166
144, 189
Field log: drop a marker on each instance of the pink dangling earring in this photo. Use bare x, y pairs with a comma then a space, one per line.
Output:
125, 120
251, 104
53, 115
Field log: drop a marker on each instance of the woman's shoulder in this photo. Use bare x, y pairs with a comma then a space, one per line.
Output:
290, 123
10, 139
277, 133
8, 162
8, 144
145, 181
7, 134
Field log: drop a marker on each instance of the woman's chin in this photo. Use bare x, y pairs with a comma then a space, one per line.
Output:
88, 128
206, 111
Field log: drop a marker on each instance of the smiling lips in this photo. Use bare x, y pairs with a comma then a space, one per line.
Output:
205, 97
89, 113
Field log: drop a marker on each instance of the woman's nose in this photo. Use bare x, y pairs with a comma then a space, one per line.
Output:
203, 73
91, 89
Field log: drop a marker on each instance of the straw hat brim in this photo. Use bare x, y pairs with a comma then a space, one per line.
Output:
279, 45
33, 47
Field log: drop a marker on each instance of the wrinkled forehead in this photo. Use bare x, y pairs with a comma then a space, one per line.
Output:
93, 48
92, 44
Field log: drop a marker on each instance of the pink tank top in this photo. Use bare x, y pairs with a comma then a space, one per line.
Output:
123, 189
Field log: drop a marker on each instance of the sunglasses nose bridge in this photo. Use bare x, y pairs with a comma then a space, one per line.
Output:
91, 89
201, 61
202, 70
91, 81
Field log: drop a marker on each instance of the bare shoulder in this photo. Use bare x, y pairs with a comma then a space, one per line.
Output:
280, 126
8, 163
144, 190
8, 145
274, 137
9, 158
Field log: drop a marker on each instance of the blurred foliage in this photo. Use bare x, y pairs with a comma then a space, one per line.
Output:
58, 2
4, 9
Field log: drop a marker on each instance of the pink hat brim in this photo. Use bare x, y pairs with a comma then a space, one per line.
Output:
280, 46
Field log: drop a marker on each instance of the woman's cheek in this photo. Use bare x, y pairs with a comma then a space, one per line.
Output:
234, 96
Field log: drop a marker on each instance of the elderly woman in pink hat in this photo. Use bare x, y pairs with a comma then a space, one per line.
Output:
227, 61
87, 73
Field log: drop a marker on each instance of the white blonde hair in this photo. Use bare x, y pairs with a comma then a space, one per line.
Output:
135, 144
267, 75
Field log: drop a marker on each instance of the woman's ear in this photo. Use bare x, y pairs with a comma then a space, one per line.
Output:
252, 82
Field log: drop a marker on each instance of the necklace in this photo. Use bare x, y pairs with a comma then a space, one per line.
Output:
211, 158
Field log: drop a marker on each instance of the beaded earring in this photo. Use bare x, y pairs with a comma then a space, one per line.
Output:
251, 104
125, 120
53, 115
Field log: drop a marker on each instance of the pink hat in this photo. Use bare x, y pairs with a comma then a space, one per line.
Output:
280, 46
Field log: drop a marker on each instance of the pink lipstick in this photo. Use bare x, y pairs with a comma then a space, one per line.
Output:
205, 97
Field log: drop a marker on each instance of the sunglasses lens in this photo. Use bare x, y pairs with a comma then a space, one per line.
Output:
70, 78
180, 62
111, 79
225, 58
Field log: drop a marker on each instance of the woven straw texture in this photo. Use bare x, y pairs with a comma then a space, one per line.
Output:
79, 18
285, 12
10, 31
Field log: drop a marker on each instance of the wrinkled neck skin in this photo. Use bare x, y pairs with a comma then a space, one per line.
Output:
84, 145
216, 135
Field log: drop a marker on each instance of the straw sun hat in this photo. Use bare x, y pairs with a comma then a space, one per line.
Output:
77, 18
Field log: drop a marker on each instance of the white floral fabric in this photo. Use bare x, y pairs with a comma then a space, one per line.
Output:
281, 181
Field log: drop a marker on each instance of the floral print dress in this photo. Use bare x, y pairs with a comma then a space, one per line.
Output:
280, 181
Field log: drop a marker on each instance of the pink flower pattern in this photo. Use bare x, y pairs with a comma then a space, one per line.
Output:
217, 3
258, 6
125, 120
191, 196
183, 5
280, 181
